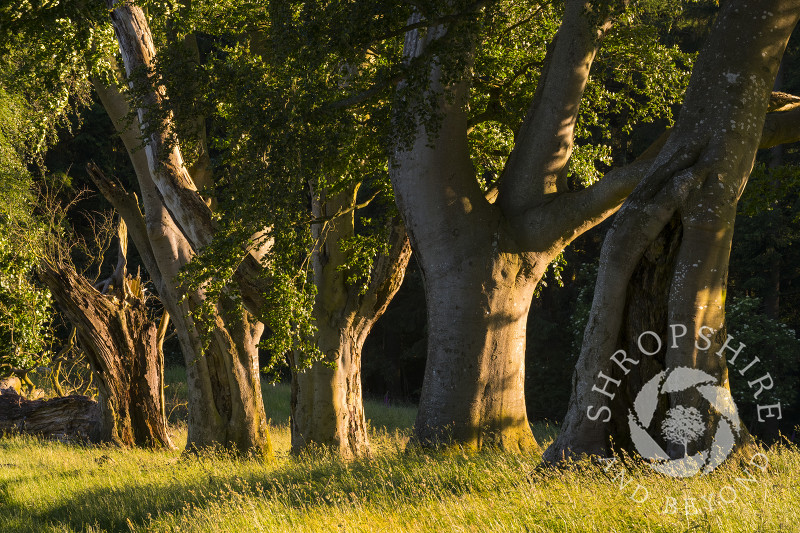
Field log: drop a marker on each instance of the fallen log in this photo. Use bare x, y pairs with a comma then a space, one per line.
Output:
67, 419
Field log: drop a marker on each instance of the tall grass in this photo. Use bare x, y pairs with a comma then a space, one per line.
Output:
48, 486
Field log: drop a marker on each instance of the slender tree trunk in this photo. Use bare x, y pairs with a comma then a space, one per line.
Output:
664, 261
120, 342
327, 401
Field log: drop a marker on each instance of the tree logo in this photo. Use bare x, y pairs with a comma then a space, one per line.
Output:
683, 425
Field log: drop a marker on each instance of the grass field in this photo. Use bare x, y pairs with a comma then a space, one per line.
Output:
47, 486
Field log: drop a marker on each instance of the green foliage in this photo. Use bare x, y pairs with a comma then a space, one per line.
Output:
289, 305
360, 251
636, 79
47, 54
775, 344
299, 93
24, 306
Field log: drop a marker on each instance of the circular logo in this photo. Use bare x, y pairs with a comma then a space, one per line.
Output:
683, 425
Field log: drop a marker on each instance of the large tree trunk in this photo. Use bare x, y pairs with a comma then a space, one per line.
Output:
481, 261
327, 402
473, 393
120, 343
664, 261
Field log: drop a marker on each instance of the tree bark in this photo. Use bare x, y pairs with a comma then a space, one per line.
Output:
473, 393
69, 418
225, 405
327, 402
119, 341
664, 261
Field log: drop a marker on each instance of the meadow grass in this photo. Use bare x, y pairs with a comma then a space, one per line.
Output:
49, 486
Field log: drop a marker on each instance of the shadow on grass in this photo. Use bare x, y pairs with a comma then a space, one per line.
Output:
313, 482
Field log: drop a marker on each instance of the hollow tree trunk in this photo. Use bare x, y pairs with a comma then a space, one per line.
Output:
327, 401
664, 261
120, 343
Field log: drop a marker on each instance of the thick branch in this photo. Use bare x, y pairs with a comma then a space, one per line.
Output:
538, 163
781, 128
167, 168
387, 272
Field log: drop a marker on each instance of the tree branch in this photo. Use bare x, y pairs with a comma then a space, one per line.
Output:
435, 173
538, 163
127, 205
388, 272
167, 168
584, 209
177, 191
782, 126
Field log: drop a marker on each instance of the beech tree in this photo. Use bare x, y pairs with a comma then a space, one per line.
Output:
351, 284
482, 253
225, 405
664, 261
351, 100
327, 403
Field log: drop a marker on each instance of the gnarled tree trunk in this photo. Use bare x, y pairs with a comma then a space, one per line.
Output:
664, 262
119, 341
482, 254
